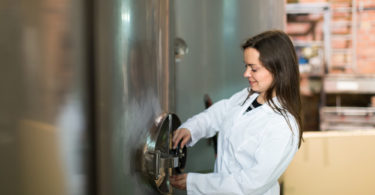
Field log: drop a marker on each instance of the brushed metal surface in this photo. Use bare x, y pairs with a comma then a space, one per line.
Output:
47, 81
214, 31
158, 159
134, 71
44, 136
48, 77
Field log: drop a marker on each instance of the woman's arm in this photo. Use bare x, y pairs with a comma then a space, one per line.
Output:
271, 159
208, 122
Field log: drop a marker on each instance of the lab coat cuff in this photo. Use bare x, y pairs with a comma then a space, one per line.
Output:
189, 184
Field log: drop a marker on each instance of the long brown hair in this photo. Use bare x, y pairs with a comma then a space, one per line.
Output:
278, 56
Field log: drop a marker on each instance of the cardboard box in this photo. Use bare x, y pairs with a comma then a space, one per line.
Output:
332, 162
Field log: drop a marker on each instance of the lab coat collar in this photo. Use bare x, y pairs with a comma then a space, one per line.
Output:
267, 105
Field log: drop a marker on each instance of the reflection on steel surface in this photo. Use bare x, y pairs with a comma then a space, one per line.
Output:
44, 98
180, 49
82, 82
159, 160
134, 84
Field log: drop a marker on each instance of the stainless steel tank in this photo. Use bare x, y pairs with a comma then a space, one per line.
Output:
86, 95
134, 90
45, 129
88, 87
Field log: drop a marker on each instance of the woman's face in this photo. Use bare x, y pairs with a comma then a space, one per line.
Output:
260, 79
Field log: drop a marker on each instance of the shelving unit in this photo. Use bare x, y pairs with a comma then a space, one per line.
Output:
342, 117
339, 77
304, 21
295, 11
350, 83
343, 36
342, 78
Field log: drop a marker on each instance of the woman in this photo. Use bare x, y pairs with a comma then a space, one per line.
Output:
259, 127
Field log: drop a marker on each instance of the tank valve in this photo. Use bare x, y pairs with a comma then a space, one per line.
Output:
160, 160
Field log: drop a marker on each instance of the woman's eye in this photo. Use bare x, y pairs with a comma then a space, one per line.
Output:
249, 66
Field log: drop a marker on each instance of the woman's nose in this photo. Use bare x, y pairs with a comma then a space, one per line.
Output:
247, 73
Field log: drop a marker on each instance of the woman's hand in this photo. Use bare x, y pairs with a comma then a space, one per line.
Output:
178, 181
181, 134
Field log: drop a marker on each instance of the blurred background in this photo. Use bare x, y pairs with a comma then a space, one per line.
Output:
87, 85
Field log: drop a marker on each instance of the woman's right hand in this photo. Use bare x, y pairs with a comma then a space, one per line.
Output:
181, 134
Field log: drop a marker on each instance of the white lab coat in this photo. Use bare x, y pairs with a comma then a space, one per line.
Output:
254, 148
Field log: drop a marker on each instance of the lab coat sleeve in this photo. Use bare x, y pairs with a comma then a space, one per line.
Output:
208, 122
272, 157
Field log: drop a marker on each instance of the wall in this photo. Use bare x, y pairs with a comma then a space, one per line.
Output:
366, 38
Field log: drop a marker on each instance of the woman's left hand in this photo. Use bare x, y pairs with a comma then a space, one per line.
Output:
178, 181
